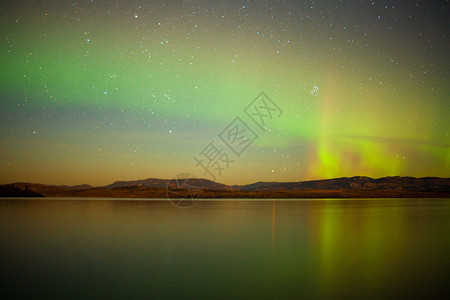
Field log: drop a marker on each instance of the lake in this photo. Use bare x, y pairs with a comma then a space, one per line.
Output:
264, 249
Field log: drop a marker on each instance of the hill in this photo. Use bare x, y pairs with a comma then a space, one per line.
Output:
345, 187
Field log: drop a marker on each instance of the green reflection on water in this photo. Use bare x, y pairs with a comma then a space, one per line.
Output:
259, 249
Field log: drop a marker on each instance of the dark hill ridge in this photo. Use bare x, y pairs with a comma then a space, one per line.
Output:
162, 183
11, 190
356, 183
345, 187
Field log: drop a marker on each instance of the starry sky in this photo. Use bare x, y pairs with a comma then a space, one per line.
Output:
98, 91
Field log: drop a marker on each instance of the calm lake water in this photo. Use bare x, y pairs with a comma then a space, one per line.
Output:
383, 248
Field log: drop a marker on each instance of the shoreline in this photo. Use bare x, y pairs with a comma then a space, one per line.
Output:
154, 193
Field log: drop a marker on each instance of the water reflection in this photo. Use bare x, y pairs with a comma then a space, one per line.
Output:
273, 221
258, 249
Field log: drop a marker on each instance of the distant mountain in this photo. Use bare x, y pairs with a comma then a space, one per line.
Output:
345, 187
77, 187
162, 183
355, 183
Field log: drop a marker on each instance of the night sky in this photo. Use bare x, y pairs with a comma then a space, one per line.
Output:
98, 91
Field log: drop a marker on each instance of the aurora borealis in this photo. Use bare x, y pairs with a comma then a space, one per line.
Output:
98, 91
